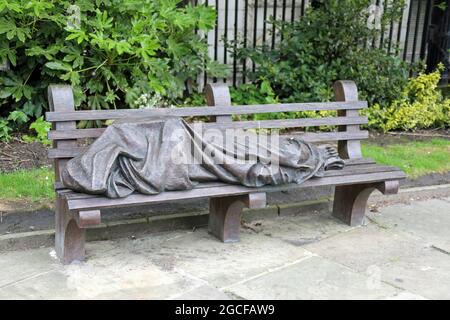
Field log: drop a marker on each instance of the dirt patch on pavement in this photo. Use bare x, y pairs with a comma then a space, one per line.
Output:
427, 180
18, 155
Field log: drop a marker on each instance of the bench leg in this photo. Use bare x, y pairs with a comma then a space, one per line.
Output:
350, 201
225, 214
69, 238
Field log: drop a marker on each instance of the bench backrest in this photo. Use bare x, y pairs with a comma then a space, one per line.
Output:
65, 133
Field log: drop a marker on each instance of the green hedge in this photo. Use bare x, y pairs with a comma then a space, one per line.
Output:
334, 42
142, 53
112, 51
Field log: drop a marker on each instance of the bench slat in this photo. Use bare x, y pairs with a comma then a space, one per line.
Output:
267, 124
63, 153
201, 111
228, 190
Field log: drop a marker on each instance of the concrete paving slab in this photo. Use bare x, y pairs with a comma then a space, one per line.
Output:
302, 229
125, 276
200, 255
363, 247
48, 285
405, 295
314, 278
426, 220
20, 265
425, 273
163, 266
295, 257
204, 292
112, 271
395, 257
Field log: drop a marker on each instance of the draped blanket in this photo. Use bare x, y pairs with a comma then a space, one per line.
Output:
152, 155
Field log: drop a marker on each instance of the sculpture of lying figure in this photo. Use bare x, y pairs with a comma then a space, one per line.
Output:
152, 155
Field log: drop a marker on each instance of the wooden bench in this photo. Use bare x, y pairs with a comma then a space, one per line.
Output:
75, 211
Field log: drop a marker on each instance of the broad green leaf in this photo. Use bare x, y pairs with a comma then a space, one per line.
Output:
18, 116
6, 25
55, 65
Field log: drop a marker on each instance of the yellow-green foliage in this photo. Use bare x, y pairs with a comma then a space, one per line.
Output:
421, 105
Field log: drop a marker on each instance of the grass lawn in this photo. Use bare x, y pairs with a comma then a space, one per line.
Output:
32, 185
415, 158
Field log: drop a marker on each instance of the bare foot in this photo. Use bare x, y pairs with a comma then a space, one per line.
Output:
332, 159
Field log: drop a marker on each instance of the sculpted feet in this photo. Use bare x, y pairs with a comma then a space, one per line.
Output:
332, 159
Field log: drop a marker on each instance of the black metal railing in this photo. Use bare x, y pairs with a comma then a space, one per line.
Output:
249, 20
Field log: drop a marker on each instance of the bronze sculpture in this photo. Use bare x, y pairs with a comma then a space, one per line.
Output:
152, 155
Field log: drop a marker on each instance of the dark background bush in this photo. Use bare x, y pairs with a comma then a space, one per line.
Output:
331, 42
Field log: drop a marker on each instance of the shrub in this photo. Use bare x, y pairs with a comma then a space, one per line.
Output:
419, 106
252, 94
264, 94
41, 128
111, 52
380, 77
331, 42
5, 130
